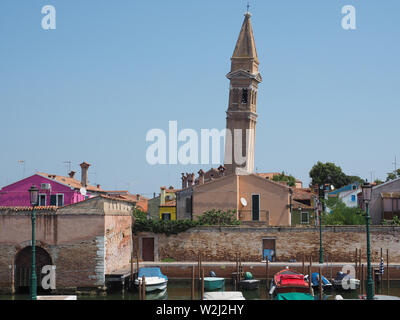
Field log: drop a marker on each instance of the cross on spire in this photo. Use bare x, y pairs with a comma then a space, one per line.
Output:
248, 6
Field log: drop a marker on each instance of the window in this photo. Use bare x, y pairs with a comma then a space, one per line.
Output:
353, 198
42, 200
53, 200
189, 205
245, 96
166, 216
60, 200
304, 217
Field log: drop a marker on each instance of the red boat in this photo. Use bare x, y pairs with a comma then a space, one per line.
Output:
289, 281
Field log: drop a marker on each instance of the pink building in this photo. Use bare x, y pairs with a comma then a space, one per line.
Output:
54, 190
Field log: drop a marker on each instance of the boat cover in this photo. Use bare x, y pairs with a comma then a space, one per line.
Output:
151, 272
315, 280
294, 296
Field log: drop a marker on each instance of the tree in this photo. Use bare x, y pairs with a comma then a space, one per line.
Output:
391, 176
291, 181
328, 173
378, 182
341, 214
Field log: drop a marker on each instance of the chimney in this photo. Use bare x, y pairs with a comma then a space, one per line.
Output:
138, 197
98, 186
201, 176
191, 179
84, 178
221, 170
184, 181
72, 174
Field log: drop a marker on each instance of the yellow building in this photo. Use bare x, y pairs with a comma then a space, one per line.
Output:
168, 204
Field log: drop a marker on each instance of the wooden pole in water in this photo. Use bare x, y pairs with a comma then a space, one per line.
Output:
137, 259
309, 279
320, 284
362, 284
202, 284
144, 288
387, 270
140, 290
356, 264
193, 282
266, 274
303, 266
359, 263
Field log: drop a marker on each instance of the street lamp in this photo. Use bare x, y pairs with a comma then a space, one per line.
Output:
321, 250
367, 194
34, 199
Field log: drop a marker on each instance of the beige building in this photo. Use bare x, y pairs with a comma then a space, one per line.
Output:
253, 198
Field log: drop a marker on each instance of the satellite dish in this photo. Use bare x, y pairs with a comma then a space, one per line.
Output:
332, 187
83, 191
243, 202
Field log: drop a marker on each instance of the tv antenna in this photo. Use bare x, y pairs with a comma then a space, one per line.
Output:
68, 163
22, 162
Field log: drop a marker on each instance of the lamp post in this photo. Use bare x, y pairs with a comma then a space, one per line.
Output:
367, 194
34, 198
321, 250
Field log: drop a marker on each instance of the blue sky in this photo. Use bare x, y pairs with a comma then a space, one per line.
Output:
112, 70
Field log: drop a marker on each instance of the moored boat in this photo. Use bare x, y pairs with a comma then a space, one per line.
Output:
213, 283
249, 283
289, 281
294, 296
154, 279
225, 295
345, 282
326, 284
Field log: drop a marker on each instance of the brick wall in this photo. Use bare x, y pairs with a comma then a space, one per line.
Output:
222, 243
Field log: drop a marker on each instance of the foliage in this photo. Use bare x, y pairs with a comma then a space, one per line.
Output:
342, 214
391, 176
291, 181
169, 227
353, 179
394, 222
219, 217
328, 173
378, 182
168, 260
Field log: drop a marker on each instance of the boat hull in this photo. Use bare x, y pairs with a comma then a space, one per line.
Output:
213, 283
252, 284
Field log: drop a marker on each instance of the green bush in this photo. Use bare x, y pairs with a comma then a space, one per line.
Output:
169, 227
342, 214
219, 218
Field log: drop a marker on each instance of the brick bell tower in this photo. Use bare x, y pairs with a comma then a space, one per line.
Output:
242, 111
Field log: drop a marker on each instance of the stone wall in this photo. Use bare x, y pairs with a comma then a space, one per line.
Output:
222, 243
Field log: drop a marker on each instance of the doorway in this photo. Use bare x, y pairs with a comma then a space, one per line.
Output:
23, 268
148, 249
268, 247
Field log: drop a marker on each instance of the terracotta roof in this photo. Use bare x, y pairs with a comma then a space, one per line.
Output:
268, 175
296, 205
171, 203
302, 194
47, 208
76, 184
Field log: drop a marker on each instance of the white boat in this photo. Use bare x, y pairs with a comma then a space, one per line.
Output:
345, 282
154, 279
224, 295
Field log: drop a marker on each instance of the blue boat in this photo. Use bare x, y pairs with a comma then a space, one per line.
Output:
326, 284
154, 279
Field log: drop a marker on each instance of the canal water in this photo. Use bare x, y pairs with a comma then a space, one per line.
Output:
181, 290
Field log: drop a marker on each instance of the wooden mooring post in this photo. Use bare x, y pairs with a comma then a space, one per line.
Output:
266, 275
202, 284
356, 264
192, 295
303, 265
362, 283
359, 262
140, 290
309, 279
144, 288
387, 271
320, 284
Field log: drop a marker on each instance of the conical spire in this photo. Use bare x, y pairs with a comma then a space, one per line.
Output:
245, 45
